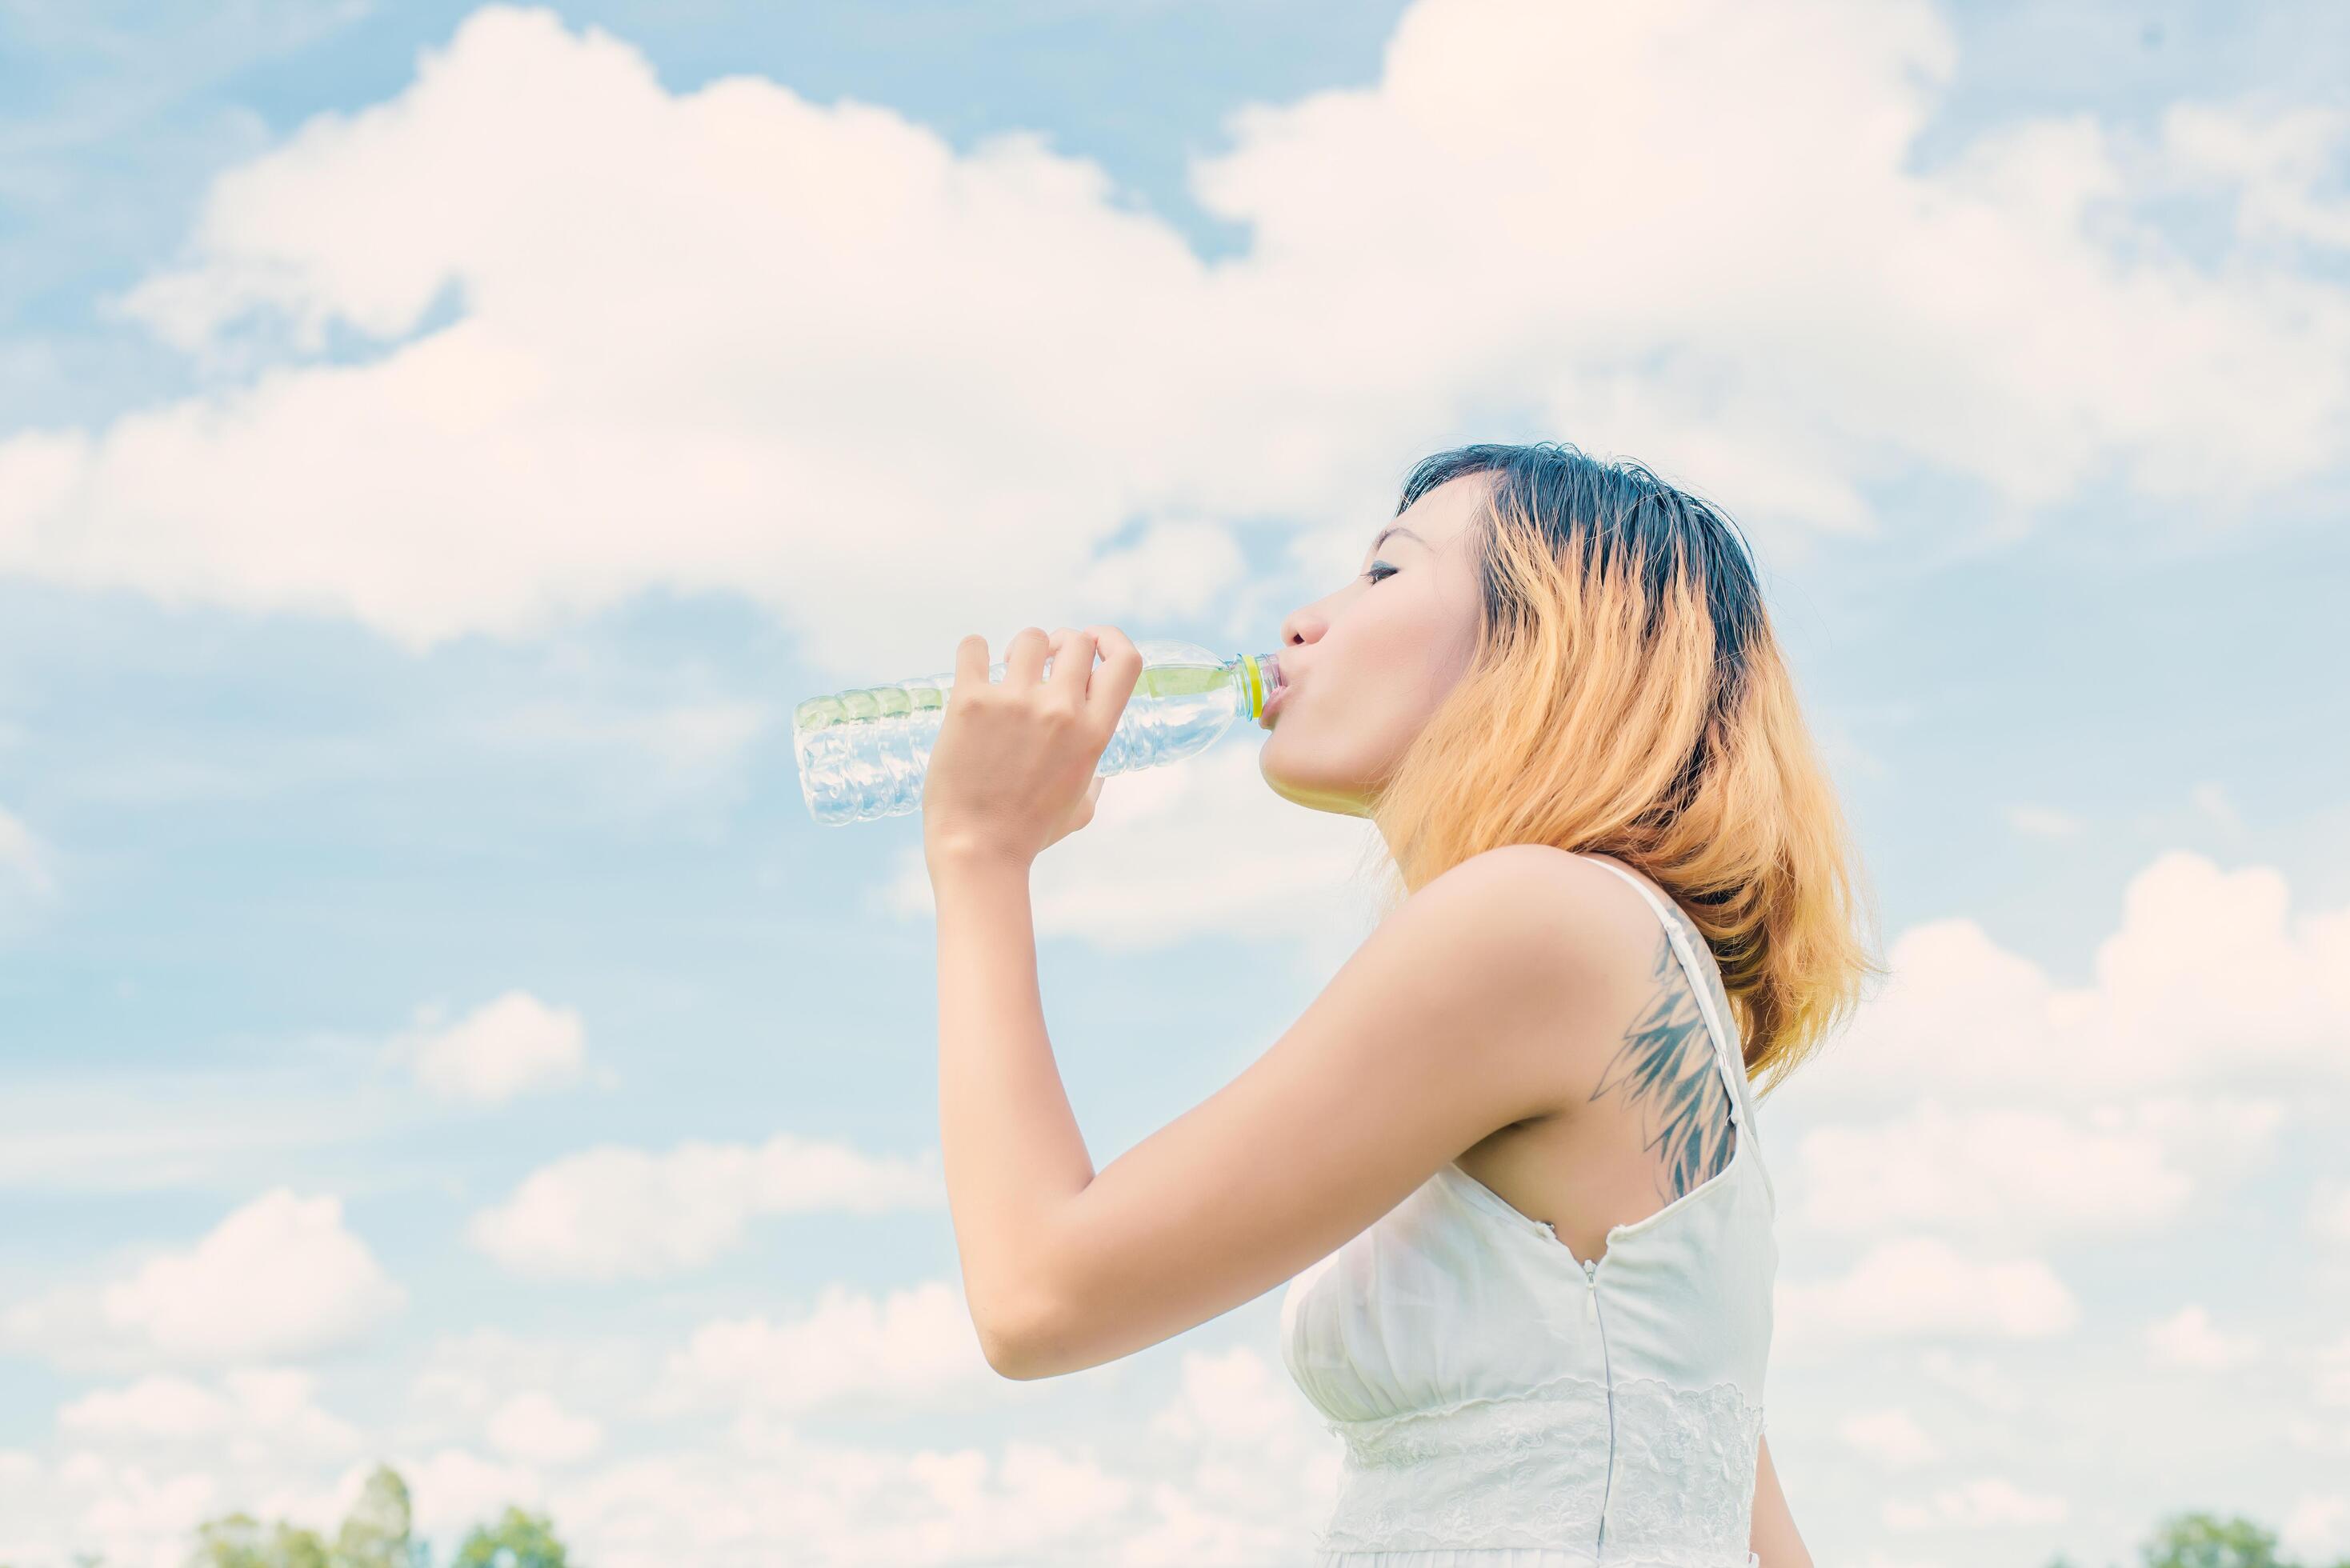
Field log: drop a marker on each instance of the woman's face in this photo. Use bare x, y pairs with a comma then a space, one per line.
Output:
1366, 666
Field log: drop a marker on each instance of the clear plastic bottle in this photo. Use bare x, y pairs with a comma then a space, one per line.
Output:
863, 753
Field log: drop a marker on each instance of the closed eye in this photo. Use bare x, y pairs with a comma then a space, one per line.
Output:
1377, 567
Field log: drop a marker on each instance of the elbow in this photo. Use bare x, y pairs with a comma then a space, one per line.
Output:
1007, 1359
1018, 1346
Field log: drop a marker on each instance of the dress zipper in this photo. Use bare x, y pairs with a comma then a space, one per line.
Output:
1590, 1280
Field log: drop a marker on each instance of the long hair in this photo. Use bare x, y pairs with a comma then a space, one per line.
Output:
1629, 698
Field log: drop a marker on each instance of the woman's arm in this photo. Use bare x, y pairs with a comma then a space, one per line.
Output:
1454, 1018
1773, 1536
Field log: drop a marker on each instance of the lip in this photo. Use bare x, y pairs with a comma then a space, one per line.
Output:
1272, 706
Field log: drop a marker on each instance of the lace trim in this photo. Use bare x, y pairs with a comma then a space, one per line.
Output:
1533, 1470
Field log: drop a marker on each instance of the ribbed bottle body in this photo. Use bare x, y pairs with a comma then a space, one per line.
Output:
863, 753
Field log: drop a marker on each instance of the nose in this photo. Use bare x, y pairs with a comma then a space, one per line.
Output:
1301, 627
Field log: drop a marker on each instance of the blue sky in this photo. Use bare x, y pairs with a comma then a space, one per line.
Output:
438, 446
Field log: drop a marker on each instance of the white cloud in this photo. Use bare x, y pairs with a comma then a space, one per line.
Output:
1230, 1468
2209, 984
279, 1278
128, 1504
1247, 1469
611, 1212
2023, 1171
1889, 1437
1177, 853
1921, 1287
504, 1047
1980, 1378
1023, 1502
1234, 1397
2317, 1527
454, 1489
1985, 1504
250, 1408
2187, 1338
2277, 166
912, 1347
534, 1428
806, 313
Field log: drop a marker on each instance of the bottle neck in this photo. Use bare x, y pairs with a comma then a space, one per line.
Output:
1255, 678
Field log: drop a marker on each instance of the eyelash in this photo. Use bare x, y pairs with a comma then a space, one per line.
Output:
1378, 566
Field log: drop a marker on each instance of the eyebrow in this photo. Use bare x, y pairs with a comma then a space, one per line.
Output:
1395, 528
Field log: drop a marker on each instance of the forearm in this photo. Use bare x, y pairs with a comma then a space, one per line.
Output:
1009, 1142
1773, 1537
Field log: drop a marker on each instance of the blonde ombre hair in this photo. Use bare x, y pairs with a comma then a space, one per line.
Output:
1627, 697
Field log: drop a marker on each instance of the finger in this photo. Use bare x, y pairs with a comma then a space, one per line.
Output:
1023, 661
1106, 699
970, 663
1073, 664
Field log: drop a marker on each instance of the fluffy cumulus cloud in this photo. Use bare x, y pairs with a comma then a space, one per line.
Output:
505, 1047
1962, 1171
633, 337
2010, 1169
251, 1408
906, 1347
612, 1212
1202, 850
536, 1429
2211, 984
1982, 1503
280, 1277
2188, 1338
1922, 1287
1890, 1438
1977, 1107
1229, 1467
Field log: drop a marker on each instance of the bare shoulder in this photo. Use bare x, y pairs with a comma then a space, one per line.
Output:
1561, 911
1568, 909
1543, 943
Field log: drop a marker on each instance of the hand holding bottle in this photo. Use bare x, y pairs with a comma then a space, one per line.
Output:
864, 753
1014, 768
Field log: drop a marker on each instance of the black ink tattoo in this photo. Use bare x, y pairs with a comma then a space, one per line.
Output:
1666, 1066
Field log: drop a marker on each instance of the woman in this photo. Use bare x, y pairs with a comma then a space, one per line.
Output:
1506, 1161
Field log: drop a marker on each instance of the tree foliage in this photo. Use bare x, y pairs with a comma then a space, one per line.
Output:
2207, 1541
378, 1533
518, 1540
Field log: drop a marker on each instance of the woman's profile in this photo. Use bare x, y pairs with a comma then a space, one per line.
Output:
1504, 1166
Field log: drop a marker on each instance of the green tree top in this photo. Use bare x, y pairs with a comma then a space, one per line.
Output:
518, 1540
2205, 1541
377, 1532
241, 1541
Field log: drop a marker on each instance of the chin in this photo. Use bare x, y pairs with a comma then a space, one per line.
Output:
1337, 796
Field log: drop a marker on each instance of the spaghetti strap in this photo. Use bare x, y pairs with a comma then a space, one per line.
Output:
1717, 1029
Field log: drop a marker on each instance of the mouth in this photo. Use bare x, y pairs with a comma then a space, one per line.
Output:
1272, 706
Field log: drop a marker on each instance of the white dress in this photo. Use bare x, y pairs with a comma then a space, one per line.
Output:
1505, 1405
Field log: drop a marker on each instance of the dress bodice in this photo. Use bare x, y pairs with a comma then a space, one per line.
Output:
1495, 1391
